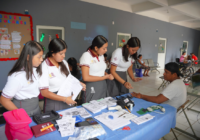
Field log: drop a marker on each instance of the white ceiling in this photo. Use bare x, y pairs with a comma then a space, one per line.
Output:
181, 12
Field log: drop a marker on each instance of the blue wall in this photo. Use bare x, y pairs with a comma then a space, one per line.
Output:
62, 12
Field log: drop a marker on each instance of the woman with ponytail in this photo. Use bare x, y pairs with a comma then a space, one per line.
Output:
93, 68
73, 67
55, 70
122, 60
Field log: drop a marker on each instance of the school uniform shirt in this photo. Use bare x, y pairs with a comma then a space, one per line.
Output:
119, 61
96, 64
20, 88
51, 78
176, 93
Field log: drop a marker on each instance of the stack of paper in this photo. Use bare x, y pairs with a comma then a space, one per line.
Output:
94, 108
98, 103
142, 119
112, 120
125, 114
66, 126
75, 111
109, 101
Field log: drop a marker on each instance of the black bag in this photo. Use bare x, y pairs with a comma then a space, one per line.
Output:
46, 117
125, 101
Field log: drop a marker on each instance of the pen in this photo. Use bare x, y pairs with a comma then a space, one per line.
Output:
47, 127
121, 115
128, 109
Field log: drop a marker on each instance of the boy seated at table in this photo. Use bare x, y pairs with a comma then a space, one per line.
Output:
174, 94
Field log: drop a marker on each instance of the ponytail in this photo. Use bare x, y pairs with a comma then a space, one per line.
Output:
132, 42
98, 42
56, 45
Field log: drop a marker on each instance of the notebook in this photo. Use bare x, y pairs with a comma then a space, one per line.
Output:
37, 129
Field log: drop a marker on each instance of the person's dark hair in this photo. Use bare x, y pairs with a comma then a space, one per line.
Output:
189, 57
183, 53
173, 67
191, 53
98, 41
30, 49
73, 63
105, 55
56, 45
139, 55
132, 42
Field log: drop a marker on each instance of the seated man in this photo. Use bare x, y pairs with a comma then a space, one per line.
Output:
174, 94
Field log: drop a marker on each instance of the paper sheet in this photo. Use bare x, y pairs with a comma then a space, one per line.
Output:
125, 114
16, 36
142, 119
109, 101
5, 42
94, 108
76, 111
71, 84
113, 124
66, 126
3, 30
5, 46
16, 46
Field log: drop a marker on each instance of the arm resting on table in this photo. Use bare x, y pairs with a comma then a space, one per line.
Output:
155, 99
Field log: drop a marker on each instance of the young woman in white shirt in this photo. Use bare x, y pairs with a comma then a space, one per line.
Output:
93, 68
22, 83
122, 60
55, 70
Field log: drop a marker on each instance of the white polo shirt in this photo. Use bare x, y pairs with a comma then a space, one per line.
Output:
119, 61
20, 88
51, 78
96, 64
176, 92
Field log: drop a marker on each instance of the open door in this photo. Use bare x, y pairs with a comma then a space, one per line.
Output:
161, 52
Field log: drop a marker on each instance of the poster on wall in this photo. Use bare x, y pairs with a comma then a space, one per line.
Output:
161, 48
45, 34
122, 39
15, 31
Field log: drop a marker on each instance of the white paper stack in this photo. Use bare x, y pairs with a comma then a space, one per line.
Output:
112, 120
94, 108
66, 126
109, 101
76, 111
100, 104
142, 119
